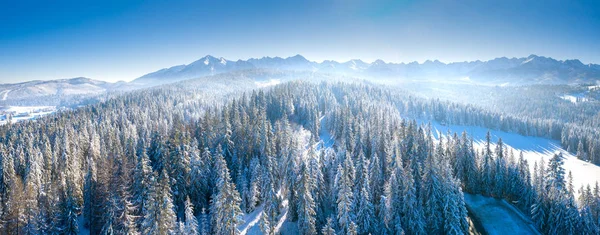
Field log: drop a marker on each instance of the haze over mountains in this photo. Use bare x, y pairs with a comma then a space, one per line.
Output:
500, 71
56, 88
514, 71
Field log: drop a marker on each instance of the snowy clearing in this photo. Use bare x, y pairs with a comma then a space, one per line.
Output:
497, 216
29, 109
534, 149
21, 113
271, 82
574, 98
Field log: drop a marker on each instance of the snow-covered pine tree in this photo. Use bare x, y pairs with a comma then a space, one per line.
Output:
328, 228
191, 223
306, 204
225, 211
345, 196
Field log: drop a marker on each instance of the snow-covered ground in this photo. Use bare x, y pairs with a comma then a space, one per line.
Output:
533, 148
252, 222
574, 98
324, 135
5, 94
270, 82
20, 113
497, 216
29, 109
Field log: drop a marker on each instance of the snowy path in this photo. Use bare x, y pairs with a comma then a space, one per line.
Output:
324, 135
534, 149
251, 222
497, 217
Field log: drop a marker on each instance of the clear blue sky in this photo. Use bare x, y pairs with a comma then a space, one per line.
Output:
122, 40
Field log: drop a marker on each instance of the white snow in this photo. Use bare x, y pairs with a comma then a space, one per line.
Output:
593, 88
283, 226
324, 135
20, 113
353, 66
223, 61
534, 149
206, 61
251, 224
497, 216
528, 60
29, 109
574, 99
5, 94
270, 82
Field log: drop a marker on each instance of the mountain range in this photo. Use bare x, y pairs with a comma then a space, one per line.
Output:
527, 70
500, 71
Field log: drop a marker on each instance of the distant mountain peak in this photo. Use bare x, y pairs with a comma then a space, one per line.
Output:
297, 57
378, 62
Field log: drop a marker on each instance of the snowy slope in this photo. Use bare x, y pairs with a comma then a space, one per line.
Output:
534, 149
52, 90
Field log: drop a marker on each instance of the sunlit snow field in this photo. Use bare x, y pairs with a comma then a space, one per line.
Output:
533, 148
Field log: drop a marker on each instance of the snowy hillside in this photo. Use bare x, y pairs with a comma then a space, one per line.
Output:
534, 149
53, 91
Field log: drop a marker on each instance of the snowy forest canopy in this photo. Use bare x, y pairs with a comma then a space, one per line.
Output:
324, 158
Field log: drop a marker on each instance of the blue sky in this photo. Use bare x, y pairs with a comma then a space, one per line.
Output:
122, 40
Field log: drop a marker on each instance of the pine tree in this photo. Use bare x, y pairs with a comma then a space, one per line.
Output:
306, 204
412, 211
271, 204
394, 204
225, 210
555, 173
432, 194
352, 229
159, 216
253, 197
539, 208
69, 213
191, 223
204, 224
143, 184
345, 195
365, 210
328, 228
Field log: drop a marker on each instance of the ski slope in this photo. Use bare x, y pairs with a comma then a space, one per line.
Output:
533, 148
5, 94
